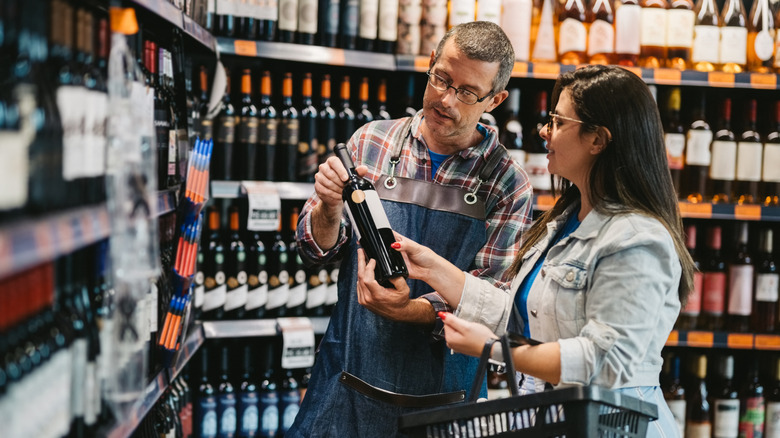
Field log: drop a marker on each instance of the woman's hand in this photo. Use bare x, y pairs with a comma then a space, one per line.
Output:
420, 260
465, 337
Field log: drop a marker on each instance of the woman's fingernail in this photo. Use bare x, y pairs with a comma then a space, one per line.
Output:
442, 315
395, 245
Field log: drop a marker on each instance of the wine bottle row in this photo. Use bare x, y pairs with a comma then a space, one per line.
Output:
240, 390
723, 394
171, 416
251, 275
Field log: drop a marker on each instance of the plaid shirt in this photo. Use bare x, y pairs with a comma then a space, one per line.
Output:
508, 196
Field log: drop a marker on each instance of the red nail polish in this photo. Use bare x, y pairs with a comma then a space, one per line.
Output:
442, 315
395, 245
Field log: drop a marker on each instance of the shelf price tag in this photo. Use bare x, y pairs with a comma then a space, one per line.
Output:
700, 339
265, 205
667, 76
297, 342
747, 212
720, 79
767, 342
763, 80
245, 48
740, 340
688, 209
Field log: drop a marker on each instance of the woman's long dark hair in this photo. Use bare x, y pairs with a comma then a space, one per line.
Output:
631, 174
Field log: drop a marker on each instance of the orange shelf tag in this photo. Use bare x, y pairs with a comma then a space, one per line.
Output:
763, 80
747, 212
720, 79
543, 69
674, 339
696, 210
245, 48
421, 63
667, 75
700, 339
520, 69
740, 340
767, 342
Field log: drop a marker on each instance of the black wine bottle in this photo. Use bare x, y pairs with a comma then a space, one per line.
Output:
370, 222
235, 269
205, 406
296, 303
226, 398
248, 414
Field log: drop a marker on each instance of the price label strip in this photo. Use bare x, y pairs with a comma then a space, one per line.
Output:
265, 205
297, 342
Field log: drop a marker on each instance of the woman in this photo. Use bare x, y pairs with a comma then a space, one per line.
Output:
601, 276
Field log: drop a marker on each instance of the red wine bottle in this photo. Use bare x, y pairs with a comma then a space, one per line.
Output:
370, 222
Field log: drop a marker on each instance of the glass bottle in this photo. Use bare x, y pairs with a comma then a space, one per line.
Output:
307, 21
733, 37
257, 295
206, 128
725, 405
653, 33
601, 32
235, 268
516, 18
740, 288
248, 412
751, 409
289, 131
381, 100
697, 155
222, 157
770, 174
765, 301
674, 138
674, 392
368, 29
713, 291
512, 130
268, 135
249, 124
288, 20
269, 394
680, 21
226, 398
345, 125
296, 303
697, 421
724, 158
308, 144
364, 115
536, 150
627, 32
706, 36
205, 406
278, 275
689, 314
772, 421
543, 32
761, 37
749, 153
572, 35
214, 268
326, 129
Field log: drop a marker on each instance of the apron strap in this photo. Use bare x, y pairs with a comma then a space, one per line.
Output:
398, 142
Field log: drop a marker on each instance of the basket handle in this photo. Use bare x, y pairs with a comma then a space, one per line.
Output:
483, 364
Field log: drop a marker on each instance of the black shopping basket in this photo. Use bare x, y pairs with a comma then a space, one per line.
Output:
585, 411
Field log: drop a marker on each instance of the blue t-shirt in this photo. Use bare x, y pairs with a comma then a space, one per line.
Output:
521, 297
436, 160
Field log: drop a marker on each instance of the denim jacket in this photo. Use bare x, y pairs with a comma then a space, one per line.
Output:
607, 293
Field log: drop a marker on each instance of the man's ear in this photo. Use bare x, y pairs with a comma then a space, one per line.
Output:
496, 100
601, 140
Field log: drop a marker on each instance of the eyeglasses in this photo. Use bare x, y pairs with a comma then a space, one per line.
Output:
465, 96
552, 120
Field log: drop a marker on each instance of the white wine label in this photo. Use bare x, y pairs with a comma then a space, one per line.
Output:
726, 417
675, 147
214, 298
257, 297
197, 296
772, 420
740, 289
297, 295
767, 287
278, 296
14, 169
698, 147
764, 45
267, 10
706, 44
724, 160
652, 27
601, 38
771, 171
516, 22
572, 36
369, 16
288, 15
749, 161
307, 16
388, 20
376, 209
678, 412
78, 377
153, 307
489, 10
679, 27
733, 45
544, 40
236, 298
315, 297
627, 22
462, 11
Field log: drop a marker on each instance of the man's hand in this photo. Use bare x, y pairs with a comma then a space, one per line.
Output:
326, 216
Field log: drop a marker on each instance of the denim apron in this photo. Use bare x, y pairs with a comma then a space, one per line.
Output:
370, 370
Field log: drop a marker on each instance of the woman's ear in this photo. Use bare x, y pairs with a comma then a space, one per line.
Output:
601, 140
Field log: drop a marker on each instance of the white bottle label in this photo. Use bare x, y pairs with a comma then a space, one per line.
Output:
538, 175
376, 209
369, 16
679, 27
771, 158
297, 294
288, 15
724, 157
764, 45
572, 36
678, 412
489, 10
236, 298
772, 420
601, 38
726, 418
214, 298
627, 19
462, 11
518, 156
733, 45
388, 20
78, 377
14, 168
307, 16
675, 148
544, 45
653, 27
278, 296
749, 161
706, 44
767, 287
698, 150
698, 430
257, 297
315, 297
740, 289
516, 22
198, 292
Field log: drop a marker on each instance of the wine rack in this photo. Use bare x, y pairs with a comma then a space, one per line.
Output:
254, 327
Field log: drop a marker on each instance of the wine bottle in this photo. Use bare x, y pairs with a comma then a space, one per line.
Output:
697, 420
278, 276
601, 32
247, 25
543, 32
572, 35
226, 21
248, 412
368, 29
725, 405
749, 154
674, 138
226, 398
489, 10
461, 11
680, 21
740, 284
307, 139
345, 126
268, 131
289, 401
370, 223
387, 33
205, 408
751, 409
706, 36
222, 157
328, 23
674, 392
296, 303
316, 293
770, 175
627, 32
409, 106
248, 128
653, 50
206, 129
512, 131
348, 23
714, 283
772, 424
536, 150
432, 25
765, 300
364, 115
724, 158
257, 281
289, 131
697, 155
266, 27
516, 20
288, 20
409, 28
215, 289
269, 395
761, 37
381, 99
307, 21
733, 37
326, 128
689, 314
162, 121
235, 269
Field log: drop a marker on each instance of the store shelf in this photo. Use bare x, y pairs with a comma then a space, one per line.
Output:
166, 10
709, 339
287, 190
157, 386
30, 242
253, 327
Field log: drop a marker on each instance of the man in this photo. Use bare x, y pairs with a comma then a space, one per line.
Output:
446, 182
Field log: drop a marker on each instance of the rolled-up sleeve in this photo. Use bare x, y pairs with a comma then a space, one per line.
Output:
310, 252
